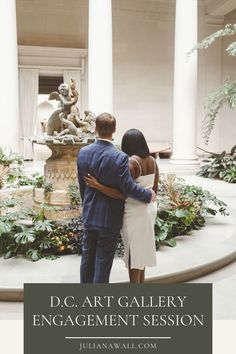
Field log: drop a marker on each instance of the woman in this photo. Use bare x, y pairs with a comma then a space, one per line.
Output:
139, 218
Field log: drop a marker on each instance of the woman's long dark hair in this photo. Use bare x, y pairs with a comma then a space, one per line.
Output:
134, 143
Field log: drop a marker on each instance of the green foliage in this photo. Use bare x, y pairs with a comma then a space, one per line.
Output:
11, 171
9, 203
229, 175
41, 215
13, 233
43, 226
48, 187
181, 209
26, 236
33, 255
16, 178
228, 30
67, 237
223, 95
13, 176
39, 181
5, 227
74, 195
8, 158
220, 166
226, 93
22, 232
8, 161
231, 50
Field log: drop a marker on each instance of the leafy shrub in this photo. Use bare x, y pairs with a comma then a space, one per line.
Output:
39, 181
220, 166
229, 175
8, 161
14, 235
8, 158
67, 237
16, 178
48, 187
38, 237
12, 174
74, 195
181, 209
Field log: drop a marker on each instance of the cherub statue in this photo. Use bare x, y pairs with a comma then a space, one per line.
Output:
66, 101
88, 125
74, 116
70, 129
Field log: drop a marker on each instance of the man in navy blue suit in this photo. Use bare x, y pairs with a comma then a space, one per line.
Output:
102, 215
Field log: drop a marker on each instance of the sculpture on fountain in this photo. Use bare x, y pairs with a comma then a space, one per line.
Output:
66, 101
66, 133
65, 124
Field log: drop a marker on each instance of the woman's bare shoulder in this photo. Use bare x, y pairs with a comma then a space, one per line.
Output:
134, 166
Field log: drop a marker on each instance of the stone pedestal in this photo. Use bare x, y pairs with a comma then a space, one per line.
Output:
61, 170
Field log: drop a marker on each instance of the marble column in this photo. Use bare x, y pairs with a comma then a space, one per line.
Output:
100, 68
9, 119
185, 83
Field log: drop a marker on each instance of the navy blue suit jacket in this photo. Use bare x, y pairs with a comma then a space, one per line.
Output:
110, 166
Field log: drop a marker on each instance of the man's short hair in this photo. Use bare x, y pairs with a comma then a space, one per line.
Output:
105, 124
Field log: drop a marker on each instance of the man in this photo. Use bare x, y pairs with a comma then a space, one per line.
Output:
102, 215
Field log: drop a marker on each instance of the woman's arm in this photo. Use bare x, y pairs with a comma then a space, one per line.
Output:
108, 191
155, 185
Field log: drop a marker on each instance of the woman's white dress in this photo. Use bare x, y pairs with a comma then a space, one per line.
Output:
138, 229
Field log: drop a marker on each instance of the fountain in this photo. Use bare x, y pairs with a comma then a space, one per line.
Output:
66, 134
